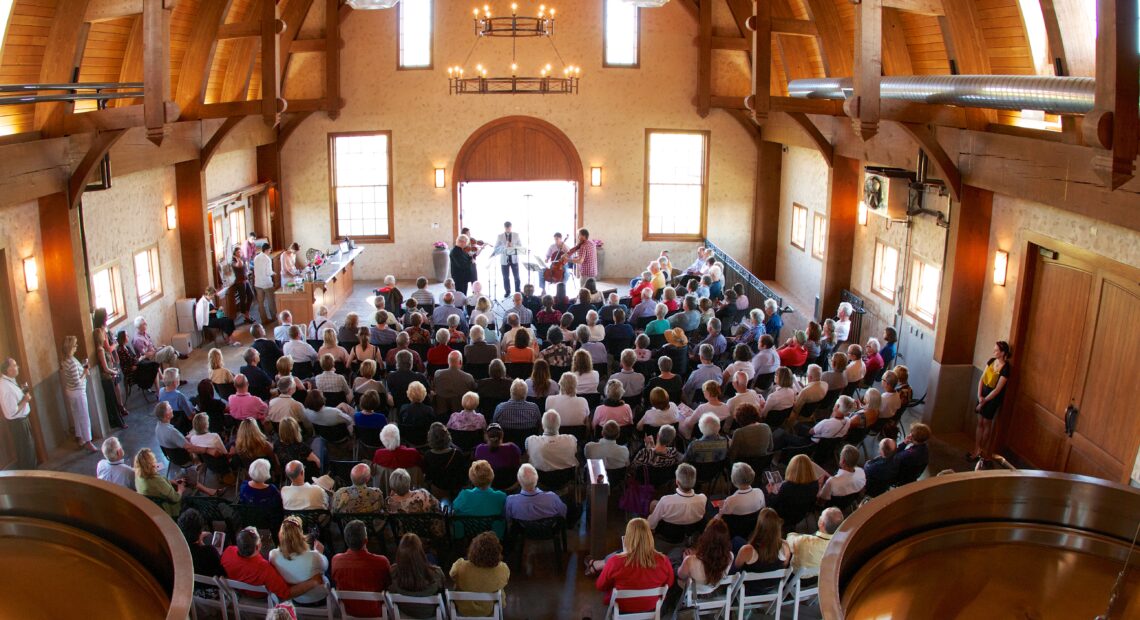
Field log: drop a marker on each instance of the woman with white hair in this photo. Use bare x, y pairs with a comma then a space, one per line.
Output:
711, 446
573, 409
490, 335
772, 321
392, 455
843, 321
612, 408
73, 376
402, 498
871, 358
746, 500
597, 330
458, 338
482, 308
716, 275
437, 355
872, 408
659, 325
469, 418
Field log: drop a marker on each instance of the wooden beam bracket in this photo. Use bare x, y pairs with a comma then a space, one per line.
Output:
824, 147
100, 145
211, 147
927, 141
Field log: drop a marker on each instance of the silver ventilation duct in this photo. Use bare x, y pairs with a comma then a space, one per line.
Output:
1055, 95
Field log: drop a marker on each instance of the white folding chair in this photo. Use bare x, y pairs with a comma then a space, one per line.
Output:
613, 613
495, 598
394, 601
340, 596
258, 606
326, 612
771, 599
799, 592
219, 603
719, 605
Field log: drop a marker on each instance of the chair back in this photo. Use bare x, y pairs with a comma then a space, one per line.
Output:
219, 604
238, 593
348, 595
225, 390
261, 517
341, 472
477, 371
395, 600
466, 440
178, 456
718, 602
776, 418
430, 526
592, 400
332, 399
771, 596
764, 381
214, 510
825, 449
741, 525
495, 598
519, 370
614, 610
311, 519
675, 533
336, 433
518, 436
846, 503
556, 479
556, 372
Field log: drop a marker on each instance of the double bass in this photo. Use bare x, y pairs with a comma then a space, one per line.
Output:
557, 269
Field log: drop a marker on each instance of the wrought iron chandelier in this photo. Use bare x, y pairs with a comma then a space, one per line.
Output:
547, 82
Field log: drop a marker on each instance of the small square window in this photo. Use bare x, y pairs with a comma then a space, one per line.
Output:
884, 273
107, 293
148, 276
925, 284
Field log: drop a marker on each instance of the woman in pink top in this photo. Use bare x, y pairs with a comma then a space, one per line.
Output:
871, 358
613, 408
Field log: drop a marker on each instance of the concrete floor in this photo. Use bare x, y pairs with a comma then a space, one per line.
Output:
542, 588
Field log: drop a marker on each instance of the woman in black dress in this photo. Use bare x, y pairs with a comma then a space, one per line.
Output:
991, 392
462, 264
764, 552
241, 290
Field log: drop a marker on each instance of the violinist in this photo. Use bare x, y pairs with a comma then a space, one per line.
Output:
554, 253
585, 255
462, 264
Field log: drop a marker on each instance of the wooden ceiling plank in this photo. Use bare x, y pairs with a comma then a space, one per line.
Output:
792, 26
235, 85
922, 7
1069, 125
896, 56
104, 10
836, 55
195, 69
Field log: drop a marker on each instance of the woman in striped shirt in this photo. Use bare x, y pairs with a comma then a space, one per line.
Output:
73, 375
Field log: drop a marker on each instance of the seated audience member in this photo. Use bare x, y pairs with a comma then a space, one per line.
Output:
531, 503
393, 455
891, 400
330, 346
689, 319
448, 308
764, 552
641, 350
566, 326
659, 451
632, 382
301, 495
661, 410
350, 331
206, 559
793, 497
480, 500
881, 471
500, 454
422, 296
597, 350
321, 415
520, 350
581, 307
483, 570
712, 404
646, 308
402, 498
902, 373
814, 334
414, 575
741, 362
872, 361
469, 418
151, 483
752, 438
913, 454
639, 566
613, 408
808, 549
889, 348
359, 570
358, 497
268, 350
552, 451
672, 383
714, 339
539, 384
416, 416
773, 323
458, 336
284, 322
451, 384
243, 562
331, 382
548, 315
285, 406
704, 372
753, 327
417, 333
517, 413
766, 360
745, 500
659, 325
596, 330
793, 354
607, 448
244, 405
258, 490
403, 376
526, 316
784, 394
684, 507
835, 378
613, 304
445, 466
557, 353
297, 563
437, 354
252, 444
369, 415
837, 424
285, 371
169, 394
743, 396
814, 391
297, 348
218, 374
711, 447
856, 369
572, 410
482, 308
710, 560
392, 358
479, 351
381, 334
113, 467
363, 351
582, 367
849, 479
871, 411
201, 436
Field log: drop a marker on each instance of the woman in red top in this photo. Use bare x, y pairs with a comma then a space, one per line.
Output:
638, 567
437, 355
549, 315
793, 354
393, 455
646, 282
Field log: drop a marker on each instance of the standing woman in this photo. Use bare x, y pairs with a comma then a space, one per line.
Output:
462, 264
991, 392
110, 377
73, 374
241, 290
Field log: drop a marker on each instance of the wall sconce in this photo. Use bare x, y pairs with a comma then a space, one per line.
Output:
31, 275
171, 217
596, 176
440, 178
861, 214
1001, 264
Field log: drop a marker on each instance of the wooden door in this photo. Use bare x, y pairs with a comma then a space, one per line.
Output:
1079, 349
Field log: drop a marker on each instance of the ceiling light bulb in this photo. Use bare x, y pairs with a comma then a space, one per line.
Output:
551, 13
548, 66
514, 6
475, 12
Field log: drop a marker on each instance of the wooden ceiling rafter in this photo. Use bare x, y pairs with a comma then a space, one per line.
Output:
863, 104
966, 46
190, 93
68, 35
948, 170
818, 140
835, 53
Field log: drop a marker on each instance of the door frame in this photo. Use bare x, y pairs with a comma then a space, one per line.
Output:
1034, 242
8, 290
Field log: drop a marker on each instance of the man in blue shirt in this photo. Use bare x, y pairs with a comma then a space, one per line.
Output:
706, 371
772, 323
517, 413
446, 309
177, 400
689, 319
531, 504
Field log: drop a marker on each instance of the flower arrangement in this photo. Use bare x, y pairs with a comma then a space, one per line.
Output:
598, 243
439, 245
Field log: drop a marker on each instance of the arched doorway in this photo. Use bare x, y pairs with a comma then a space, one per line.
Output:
517, 149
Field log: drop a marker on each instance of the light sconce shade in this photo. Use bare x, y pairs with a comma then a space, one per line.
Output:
861, 214
369, 5
1001, 265
596, 176
171, 217
31, 275
440, 178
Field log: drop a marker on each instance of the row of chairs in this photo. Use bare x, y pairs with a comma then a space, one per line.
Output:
234, 598
785, 586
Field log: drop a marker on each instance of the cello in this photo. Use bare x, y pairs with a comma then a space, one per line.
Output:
557, 269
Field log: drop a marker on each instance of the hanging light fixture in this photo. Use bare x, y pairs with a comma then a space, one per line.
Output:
647, 4
371, 5
515, 27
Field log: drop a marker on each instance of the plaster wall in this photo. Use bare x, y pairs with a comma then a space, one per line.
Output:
805, 180
231, 171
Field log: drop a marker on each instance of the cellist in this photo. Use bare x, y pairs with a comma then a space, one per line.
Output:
554, 253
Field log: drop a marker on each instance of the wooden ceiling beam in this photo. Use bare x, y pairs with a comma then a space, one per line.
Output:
793, 26
155, 54
111, 119
196, 63
1113, 125
817, 138
255, 106
239, 30
966, 47
271, 27
103, 10
947, 169
211, 147
741, 10
290, 125
863, 105
332, 58
100, 145
1060, 60
301, 46
761, 26
64, 51
795, 50
243, 54
836, 55
131, 70
294, 15
921, 7
736, 44
704, 58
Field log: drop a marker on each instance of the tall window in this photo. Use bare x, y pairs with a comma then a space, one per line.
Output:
676, 184
621, 34
799, 226
107, 289
148, 277
237, 227
885, 271
361, 190
415, 34
818, 236
925, 282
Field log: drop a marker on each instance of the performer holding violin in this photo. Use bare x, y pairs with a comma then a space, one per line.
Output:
463, 254
584, 255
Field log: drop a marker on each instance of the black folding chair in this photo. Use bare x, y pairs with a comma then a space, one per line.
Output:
303, 370
332, 399
551, 528
466, 440
519, 370
776, 418
556, 480
741, 525
478, 371
225, 390
764, 381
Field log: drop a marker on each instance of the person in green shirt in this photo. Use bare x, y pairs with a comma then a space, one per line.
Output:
150, 483
482, 571
482, 500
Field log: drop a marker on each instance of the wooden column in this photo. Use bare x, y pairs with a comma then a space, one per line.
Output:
332, 59
193, 234
269, 170
761, 25
843, 198
156, 66
1113, 124
766, 208
65, 272
271, 26
964, 276
863, 106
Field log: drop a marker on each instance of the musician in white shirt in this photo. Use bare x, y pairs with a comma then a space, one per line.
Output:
507, 247
263, 284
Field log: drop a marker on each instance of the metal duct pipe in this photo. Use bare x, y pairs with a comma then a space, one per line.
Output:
1055, 95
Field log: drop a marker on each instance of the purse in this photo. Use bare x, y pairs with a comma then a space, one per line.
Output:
637, 495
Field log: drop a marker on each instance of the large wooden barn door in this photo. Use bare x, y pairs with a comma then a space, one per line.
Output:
1076, 370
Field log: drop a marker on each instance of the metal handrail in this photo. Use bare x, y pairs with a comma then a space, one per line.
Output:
734, 272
